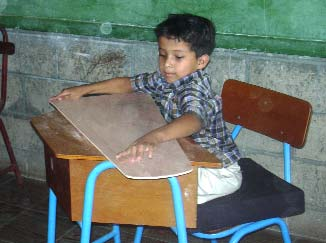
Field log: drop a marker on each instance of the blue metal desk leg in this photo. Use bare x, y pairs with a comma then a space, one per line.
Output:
88, 201
178, 210
52, 216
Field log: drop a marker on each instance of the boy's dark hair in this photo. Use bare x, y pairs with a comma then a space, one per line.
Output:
198, 31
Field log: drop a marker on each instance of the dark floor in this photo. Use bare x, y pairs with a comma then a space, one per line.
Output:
23, 219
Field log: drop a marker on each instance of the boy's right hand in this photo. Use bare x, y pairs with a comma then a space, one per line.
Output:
73, 93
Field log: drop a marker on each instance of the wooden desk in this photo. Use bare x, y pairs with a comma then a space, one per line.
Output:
69, 158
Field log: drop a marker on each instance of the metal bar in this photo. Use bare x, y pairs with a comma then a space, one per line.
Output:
287, 161
52, 216
89, 199
178, 210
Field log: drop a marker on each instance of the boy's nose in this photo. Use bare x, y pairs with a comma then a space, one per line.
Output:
168, 63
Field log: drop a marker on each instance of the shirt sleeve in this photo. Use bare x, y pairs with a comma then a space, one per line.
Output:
194, 100
144, 82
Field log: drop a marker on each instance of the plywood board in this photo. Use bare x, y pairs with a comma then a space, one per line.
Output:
112, 122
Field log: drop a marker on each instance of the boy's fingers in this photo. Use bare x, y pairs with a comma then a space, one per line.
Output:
132, 153
150, 149
136, 152
122, 154
59, 97
128, 155
143, 149
140, 152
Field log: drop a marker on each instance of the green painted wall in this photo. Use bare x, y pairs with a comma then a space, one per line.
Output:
278, 26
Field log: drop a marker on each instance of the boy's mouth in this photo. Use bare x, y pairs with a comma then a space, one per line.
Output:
169, 75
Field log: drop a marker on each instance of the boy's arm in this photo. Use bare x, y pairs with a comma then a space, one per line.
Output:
183, 126
111, 86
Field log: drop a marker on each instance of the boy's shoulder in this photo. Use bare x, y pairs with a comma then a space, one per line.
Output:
201, 79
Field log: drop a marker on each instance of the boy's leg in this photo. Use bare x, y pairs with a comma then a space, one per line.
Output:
214, 183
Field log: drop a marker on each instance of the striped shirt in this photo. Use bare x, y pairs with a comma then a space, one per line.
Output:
192, 94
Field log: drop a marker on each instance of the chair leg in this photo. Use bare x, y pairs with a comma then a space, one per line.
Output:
88, 202
13, 163
178, 210
260, 225
285, 231
138, 234
52, 216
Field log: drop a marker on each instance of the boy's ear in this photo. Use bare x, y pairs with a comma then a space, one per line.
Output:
203, 61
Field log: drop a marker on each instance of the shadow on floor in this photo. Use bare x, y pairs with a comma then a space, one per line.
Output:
23, 219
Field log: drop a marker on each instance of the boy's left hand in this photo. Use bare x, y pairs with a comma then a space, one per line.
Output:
136, 152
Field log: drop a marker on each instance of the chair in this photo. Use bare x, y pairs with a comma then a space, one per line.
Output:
263, 198
7, 48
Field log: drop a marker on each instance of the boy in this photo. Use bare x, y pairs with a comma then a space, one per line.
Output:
182, 91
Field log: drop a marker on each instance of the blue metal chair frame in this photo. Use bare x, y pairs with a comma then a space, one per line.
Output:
240, 231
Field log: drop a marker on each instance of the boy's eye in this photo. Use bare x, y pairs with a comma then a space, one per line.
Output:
179, 57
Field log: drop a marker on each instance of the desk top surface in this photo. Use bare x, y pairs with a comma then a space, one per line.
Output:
66, 142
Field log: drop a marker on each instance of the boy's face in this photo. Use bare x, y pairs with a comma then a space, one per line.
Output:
177, 60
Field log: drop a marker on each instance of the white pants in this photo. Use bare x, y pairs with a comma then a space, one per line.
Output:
214, 183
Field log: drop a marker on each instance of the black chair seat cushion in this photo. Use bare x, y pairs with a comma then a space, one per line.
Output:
262, 195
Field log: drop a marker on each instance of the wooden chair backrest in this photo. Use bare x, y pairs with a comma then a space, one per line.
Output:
276, 115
